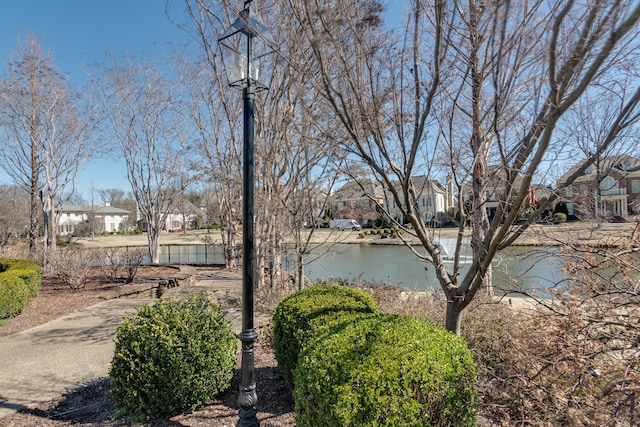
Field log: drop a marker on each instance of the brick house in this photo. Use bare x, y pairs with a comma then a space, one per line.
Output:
610, 187
496, 188
358, 201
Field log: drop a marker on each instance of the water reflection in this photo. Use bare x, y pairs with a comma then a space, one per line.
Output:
516, 267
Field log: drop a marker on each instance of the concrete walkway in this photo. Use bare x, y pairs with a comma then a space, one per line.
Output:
43, 363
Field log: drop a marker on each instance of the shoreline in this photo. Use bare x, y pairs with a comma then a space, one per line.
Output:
581, 233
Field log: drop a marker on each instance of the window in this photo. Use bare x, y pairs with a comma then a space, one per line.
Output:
635, 186
584, 189
608, 183
568, 192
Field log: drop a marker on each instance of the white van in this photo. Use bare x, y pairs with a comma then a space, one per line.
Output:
345, 224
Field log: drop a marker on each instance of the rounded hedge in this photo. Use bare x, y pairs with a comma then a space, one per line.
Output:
172, 357
19, 283
385, 370
300, 315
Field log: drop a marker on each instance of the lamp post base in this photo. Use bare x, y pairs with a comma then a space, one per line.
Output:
248, 418
248, 398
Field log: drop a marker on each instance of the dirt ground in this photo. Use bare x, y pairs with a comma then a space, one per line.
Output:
91, 405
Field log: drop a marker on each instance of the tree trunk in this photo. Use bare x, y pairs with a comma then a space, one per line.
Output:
481, 148
260, 259
53, 226
153, 237
453, 316
276, 255
487, 282
229, 244
300, 271
34, 216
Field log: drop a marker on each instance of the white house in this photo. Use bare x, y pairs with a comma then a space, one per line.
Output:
431, 201
106, 218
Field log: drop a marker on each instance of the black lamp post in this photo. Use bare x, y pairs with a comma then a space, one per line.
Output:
247, 53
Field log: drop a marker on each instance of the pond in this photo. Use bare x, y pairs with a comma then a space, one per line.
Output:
525, 267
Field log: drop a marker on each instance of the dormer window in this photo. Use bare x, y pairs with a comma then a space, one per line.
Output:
624, 165
608, 183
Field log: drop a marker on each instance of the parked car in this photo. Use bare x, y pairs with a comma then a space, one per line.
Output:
345, 224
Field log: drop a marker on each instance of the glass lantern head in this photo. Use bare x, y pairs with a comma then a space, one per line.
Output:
248, 52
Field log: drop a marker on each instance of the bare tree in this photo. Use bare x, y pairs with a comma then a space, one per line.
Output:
291, 150
14, 214
110, 196
47, 133
144, 109
474, 83
306, 206
65, 153
212, 115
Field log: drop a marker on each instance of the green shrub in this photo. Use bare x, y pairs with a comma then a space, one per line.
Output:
385, 370
300, 314
19, 283
172, 357
29, 271
14, 295
560, 218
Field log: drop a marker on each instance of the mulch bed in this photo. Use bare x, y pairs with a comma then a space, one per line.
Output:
91, 405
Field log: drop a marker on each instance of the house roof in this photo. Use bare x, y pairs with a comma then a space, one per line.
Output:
354, 190
621, 164
96, 210
421, 183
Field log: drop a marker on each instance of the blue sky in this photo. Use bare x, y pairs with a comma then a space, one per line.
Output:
84, 32
81, 32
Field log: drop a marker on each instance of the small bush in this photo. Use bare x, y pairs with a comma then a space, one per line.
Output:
299, 315
110, 262
116, 262
172, 357
132, 260
72, 265
560, 218
385, 370
19, 283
